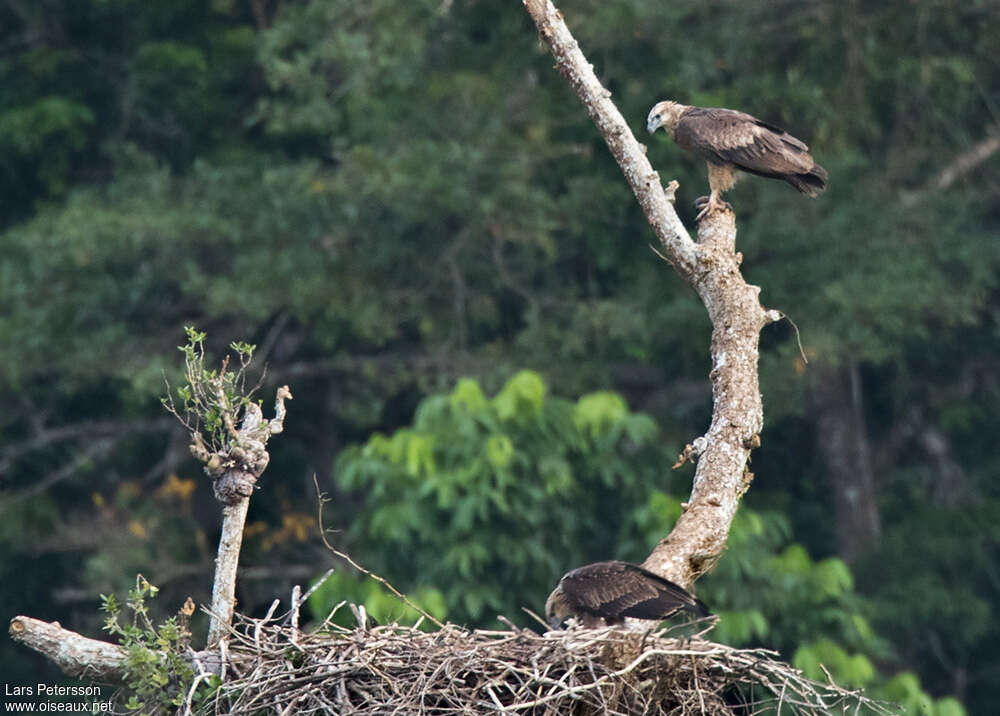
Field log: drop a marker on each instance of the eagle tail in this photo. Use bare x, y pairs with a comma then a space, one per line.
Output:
812, 183
699, 609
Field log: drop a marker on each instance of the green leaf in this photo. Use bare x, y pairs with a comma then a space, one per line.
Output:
467, 395
848, 669
499, 451
522, 397
740, 628
793, 560
833, 576
949, 706
595, 413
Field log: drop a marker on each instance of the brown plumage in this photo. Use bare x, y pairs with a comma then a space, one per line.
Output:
608, 592
730, 140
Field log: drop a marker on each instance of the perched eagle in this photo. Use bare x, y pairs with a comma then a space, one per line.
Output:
730, 140
611, 591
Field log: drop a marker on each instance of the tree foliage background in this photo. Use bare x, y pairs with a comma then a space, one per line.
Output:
409, 213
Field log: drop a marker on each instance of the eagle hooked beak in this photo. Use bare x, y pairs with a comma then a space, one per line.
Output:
555, 623
653, 123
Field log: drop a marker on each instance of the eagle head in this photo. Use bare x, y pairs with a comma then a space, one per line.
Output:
557, 608
665, 114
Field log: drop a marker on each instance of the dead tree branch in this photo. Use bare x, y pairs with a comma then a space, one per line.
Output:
957, 168
678, 247
76, 655
711, 266
967, 161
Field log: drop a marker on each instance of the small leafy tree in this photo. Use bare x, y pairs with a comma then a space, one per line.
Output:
211, 399
157, 667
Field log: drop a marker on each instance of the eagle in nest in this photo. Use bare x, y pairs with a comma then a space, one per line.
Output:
608, 592
729, 140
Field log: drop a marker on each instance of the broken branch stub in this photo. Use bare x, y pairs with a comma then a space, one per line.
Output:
236, 465
74, 654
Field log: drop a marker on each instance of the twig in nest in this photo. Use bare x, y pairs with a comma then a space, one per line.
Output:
400, 669
347, 558
537, 618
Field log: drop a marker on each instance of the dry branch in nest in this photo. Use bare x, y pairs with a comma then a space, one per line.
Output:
274, 668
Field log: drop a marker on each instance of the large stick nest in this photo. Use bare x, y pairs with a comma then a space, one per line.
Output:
274, 668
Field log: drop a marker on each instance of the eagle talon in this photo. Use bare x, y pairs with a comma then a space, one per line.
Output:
707, 205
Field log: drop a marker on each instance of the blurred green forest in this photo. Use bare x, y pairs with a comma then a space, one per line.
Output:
407, 210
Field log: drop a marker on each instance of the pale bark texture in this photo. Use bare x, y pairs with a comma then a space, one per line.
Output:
234, 519
711, 266
721, 477
678, 247
76, 655
240, 466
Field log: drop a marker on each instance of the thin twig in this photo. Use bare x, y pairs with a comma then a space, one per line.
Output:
322, 499
798, 336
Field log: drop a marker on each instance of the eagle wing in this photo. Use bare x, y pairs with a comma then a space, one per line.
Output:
725, 136
614, 590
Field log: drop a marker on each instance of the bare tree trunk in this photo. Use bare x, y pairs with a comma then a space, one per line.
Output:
234, 519
711, 266
842, 441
